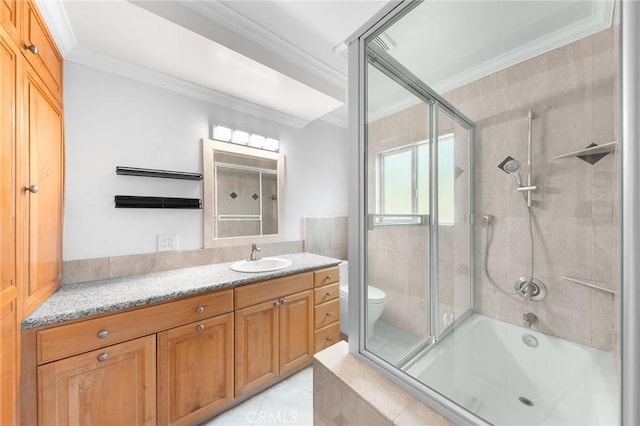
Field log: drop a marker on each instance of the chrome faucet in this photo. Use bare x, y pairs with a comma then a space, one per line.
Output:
528, 318
254, 252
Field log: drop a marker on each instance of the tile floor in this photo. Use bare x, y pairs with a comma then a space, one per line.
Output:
289, 402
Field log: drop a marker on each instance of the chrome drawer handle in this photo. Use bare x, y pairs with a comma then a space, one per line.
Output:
329, 338
32, 189
329, 293
329, 314
328, 277
102, 334
103, 357
31, 48
200, 309
200, 327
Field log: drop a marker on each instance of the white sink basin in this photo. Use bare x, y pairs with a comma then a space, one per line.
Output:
266, 264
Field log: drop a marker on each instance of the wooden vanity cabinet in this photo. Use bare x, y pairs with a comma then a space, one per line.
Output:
274, 330
115, 385
195, 370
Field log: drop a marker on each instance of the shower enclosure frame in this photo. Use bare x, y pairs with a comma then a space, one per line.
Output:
629, 230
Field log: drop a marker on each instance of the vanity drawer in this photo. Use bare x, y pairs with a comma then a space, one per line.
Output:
326, 276
326, 293
67, 340
327, 313
253, 294
327, 336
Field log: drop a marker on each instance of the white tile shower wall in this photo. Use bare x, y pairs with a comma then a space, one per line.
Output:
572, 92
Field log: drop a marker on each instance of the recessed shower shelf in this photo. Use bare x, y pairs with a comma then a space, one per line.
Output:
598, 149
598, 285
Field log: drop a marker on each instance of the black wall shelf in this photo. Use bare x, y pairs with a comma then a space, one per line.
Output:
157, 173
136, 202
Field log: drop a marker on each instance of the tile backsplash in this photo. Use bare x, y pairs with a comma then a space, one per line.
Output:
75, 271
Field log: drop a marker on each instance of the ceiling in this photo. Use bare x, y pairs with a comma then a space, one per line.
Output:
273, 59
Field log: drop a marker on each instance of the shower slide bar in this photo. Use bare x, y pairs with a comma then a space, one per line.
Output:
375, 220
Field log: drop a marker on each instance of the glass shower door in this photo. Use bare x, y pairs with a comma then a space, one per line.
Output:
398, 309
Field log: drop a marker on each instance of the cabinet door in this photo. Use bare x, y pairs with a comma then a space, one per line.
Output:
256, 346
195, 370
296, 330
42, 166
8, 362
112, 386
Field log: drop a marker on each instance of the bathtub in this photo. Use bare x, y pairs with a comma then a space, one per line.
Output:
486, 366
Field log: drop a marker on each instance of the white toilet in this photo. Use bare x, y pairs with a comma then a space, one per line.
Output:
376, 300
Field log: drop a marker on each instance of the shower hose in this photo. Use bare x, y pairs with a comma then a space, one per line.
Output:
488, 239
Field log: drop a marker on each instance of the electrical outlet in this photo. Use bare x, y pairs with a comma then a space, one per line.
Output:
167, 242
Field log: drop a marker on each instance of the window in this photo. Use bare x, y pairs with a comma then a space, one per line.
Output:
404, 181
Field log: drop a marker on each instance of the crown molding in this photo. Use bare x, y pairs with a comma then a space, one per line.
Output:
154, 78
223, 15
337, 117
55, 16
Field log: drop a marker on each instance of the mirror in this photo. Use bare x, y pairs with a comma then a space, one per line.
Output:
243, 194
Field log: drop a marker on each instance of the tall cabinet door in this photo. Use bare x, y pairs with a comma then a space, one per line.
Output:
256, 346
195, 370
9, 58
296, 330
43, 182
111, 386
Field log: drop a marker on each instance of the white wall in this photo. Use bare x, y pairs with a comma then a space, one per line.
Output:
113, 121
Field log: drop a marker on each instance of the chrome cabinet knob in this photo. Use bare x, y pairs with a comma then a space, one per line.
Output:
329, 314
33, 189
200, 309
329, 338
31, 48
103, 357
276, 304
329, 293
284, 301
200, 327
102, 334
328, 277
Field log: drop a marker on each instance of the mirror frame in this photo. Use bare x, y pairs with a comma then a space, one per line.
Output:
209, 148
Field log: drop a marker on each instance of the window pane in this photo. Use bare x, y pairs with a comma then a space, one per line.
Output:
396, 187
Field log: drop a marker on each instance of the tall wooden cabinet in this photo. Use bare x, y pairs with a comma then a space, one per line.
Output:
9, 301
31, 181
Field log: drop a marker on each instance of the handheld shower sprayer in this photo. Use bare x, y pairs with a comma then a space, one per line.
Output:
511, 166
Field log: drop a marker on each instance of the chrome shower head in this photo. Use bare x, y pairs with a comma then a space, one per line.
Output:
509, 165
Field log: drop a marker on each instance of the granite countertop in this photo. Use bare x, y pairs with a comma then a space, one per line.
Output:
81, 300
